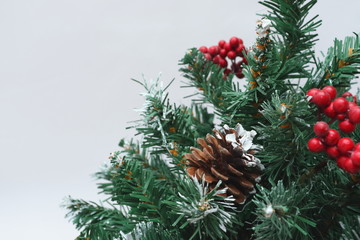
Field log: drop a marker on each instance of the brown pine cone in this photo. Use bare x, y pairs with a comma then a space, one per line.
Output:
227, 156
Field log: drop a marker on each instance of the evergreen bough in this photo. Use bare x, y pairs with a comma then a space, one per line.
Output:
302, 195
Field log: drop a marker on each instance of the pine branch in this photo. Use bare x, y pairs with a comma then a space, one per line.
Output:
340, 66
97, 222
209, 215
153, 231
295, 34
140, 181
281, 213
165, 126
284, 136
209, 79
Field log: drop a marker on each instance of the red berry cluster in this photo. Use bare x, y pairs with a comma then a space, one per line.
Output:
224, 51
344, 150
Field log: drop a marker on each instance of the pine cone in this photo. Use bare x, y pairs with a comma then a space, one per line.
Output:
227, 156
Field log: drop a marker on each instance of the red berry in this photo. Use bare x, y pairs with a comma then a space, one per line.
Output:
332, 138
223, 63
239, 74
352, 104
227, 71
333, 152
227, 46
234, 42
208, 56
350, 167
239, 50
216, 59
345, 145
223, 53
341, 116
321, 129
231, 54
203, 49
354, 114
346, 94
312, 93
341, 161
221, 43
357, 147
355, 158
315, 145
331, 91
346, 126
329, 111
213, 50
322, 99
340, 105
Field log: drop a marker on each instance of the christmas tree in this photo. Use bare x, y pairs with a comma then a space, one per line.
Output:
270, 149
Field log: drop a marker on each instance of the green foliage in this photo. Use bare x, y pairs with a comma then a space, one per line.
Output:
212, 215
97, 222
302, 195
165, 125
285, 134
339, 67
280, 213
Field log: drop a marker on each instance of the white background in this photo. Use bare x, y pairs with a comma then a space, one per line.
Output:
66, 94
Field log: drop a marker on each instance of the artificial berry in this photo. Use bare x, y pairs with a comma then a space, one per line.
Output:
234, 42
355, 158
322, 99
346, 94
350, 167
208, 56
354, 114
321, 129
345, 145
203, 49
357, 147
216, 59
329, 111
312, 93
223, 63
221, 43
332, 137
239, 74
223, 53
227, 46
333, 151
315, 145
346, 126
231, 54
227, 71
341, 116
340, 105
239, 50
213, 50
341, 161
352, 104
331, 91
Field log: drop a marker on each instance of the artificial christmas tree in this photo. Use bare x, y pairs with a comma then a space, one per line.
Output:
283, 164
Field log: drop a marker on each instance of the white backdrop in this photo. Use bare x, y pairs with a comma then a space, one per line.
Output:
66, 95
